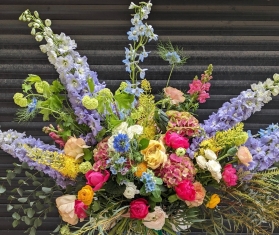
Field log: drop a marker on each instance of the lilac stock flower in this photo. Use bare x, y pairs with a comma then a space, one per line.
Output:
12, 142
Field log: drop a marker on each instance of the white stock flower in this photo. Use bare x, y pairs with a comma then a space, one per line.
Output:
201, 161
44, 48
131, 190
215, 169
209, 154
135, 129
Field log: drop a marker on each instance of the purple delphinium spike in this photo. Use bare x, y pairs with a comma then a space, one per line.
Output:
12, 142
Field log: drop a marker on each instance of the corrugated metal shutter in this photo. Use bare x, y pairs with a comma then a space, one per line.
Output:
240, 38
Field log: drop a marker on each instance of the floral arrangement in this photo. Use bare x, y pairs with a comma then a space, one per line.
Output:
125, 162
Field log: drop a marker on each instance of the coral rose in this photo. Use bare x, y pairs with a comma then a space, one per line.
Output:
186, 190
86, 195
244, 155
80, 209
175, 95
199, 197
139, 208
155, 220
66, 208
229, 175
176, 141
97, 179
154, 154
74, 147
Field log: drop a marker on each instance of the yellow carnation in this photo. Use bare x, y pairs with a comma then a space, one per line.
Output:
154, 154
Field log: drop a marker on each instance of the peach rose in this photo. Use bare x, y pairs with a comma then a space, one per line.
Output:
155, 154
175, 95
199, 197
155, 220
74, 147
66, 208
244, 155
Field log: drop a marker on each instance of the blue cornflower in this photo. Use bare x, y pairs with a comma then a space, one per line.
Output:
121, 143
113, 170
121, 160
32, 106
173, 57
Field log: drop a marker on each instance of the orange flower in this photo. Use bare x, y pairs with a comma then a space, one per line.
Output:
175, 95
200, 193
140, 169
244, 155
214, 201
86, 195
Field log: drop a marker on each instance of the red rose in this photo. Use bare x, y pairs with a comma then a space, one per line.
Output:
139, 208
186, 190
80, 209
96, 179
229, 175
176, 141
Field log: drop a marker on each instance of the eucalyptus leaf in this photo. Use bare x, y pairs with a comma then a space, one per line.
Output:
30, 212
19, 191
46, 190
32, 231
57, 229
22, 199
2, 189
15, 223
9, 207
16, 216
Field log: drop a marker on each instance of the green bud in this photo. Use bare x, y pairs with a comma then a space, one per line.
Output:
28, 19
180, 152
84, 167
30, 24
276, 77
36, 14
23, 18
48, 22
38, 21
20, 18
36, 25
33, 31
39, 38
232, 151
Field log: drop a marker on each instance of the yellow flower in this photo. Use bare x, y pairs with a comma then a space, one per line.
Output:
214, 201
86, 195
154, 154
140, 169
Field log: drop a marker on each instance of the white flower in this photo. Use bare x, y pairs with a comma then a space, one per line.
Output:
132, 5
44, 48
122, 128
131, 190
135, 129
217, 176
201, 161
276, 77
215, 169
210, 155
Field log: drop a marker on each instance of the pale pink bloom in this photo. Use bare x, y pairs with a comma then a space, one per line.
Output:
74, 147
244, 155
155, 220
66, 208
199, 197
176, 95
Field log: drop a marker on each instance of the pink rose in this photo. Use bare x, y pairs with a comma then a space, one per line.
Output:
229, 175
244, 155
155, 220
199, 197
139, 208
80, 209
97, 179
175, 141
176, 96
186, 190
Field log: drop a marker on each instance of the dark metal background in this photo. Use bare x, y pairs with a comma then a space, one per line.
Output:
239, 37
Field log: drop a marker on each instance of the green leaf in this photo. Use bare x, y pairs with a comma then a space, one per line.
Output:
144, 143
26, 87
26, 220
9, 207
16, 216
19, 191
17, 170
28, 174
65, 134
113, 188
172, 198
33, 78
155, 199
87, 154
96, 206
32, 231
36, 183
143, 191
2, 189
101, 134
158, 181
113, 121
22, 199
46, 190
15, 223
57, 229
124, 100
45, 113
56, 87
156, 193
54, 103
37, 222
91, 84
30, 212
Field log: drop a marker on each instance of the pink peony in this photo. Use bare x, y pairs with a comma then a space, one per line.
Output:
139, 208
175, 140
176, 95
200, 194
229, 175
96, 179
80, 209
186, 190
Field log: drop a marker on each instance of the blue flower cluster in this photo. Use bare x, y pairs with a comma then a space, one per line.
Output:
173, 58
32, 106
265, 149
121, 143
148, 181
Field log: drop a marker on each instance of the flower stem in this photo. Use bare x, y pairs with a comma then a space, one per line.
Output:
170, 75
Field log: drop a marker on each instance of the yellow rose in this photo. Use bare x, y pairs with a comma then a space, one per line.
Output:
154, 154
214, 201
66, 208
74, 147
86, 195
